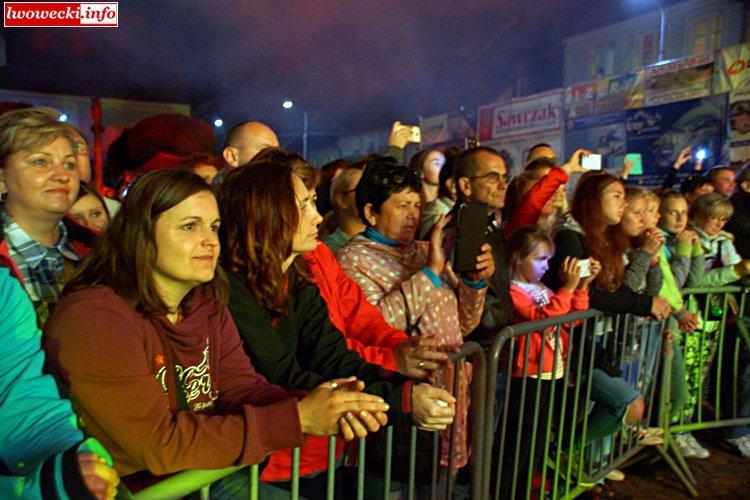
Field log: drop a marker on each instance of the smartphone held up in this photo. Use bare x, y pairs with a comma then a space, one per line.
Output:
591, 162
471, 228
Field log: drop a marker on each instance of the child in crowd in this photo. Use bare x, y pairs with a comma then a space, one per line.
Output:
90, 209
642, 274
681, 260
723, 265
530, 249
704, 257
708, 214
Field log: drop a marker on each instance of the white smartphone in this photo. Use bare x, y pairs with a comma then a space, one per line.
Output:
591, 162
416, 135
584, 268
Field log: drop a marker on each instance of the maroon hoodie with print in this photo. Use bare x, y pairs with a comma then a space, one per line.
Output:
120, 370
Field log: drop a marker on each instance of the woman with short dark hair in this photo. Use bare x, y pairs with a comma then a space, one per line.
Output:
410, 281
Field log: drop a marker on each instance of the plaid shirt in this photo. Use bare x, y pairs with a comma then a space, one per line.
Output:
42, 267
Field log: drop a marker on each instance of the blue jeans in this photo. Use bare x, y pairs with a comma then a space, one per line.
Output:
611, 397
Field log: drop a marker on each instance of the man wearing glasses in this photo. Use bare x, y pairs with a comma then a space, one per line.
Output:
481, 176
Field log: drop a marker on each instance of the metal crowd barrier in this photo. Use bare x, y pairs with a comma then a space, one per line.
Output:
187, 482
538, 434
543, 438
717, 364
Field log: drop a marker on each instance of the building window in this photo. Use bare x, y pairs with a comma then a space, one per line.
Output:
704, 35
649, 48
604, 60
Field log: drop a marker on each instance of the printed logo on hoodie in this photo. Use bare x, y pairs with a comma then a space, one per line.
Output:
196, 382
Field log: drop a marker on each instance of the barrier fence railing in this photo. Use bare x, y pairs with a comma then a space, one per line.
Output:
714, 362
441, 483
557, 420
563, 386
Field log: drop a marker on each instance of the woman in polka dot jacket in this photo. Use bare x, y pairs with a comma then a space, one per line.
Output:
410, 281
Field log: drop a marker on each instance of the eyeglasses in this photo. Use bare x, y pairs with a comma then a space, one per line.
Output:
492, 177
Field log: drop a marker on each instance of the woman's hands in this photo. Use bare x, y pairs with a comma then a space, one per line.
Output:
421, 356
100, 479
436, 255
339, 406
432, 408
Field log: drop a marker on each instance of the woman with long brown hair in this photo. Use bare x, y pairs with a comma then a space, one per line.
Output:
269, 221
592, 229
151, 356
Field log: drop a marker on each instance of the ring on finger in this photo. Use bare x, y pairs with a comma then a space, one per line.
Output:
334, 385
421, 364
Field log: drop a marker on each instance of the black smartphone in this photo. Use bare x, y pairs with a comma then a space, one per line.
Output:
471, 230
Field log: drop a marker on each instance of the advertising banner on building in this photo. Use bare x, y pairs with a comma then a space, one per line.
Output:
604, 135
434, 129
739, 126
604, 96
515, 149
732, 69
679, 80
533, 114
659, 133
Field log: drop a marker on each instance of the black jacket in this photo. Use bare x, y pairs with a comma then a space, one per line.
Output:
303, 349
739, 224
569, 242
498, 306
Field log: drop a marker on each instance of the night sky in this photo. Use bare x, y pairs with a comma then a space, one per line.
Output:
353, 65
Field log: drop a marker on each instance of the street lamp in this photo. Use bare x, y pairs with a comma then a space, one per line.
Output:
288, 105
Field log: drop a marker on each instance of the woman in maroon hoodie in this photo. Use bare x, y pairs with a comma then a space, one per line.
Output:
152, 358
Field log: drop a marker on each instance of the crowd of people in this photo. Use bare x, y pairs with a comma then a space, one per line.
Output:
225, 311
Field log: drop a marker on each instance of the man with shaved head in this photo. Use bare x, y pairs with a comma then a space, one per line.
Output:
245, 140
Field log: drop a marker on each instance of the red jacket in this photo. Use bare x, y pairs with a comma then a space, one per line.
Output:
534, 200
562, 302
7, 261
366, 331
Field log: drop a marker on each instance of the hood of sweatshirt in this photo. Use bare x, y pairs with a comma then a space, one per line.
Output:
567, 222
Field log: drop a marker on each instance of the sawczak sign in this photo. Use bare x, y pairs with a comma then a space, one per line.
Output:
524, 115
